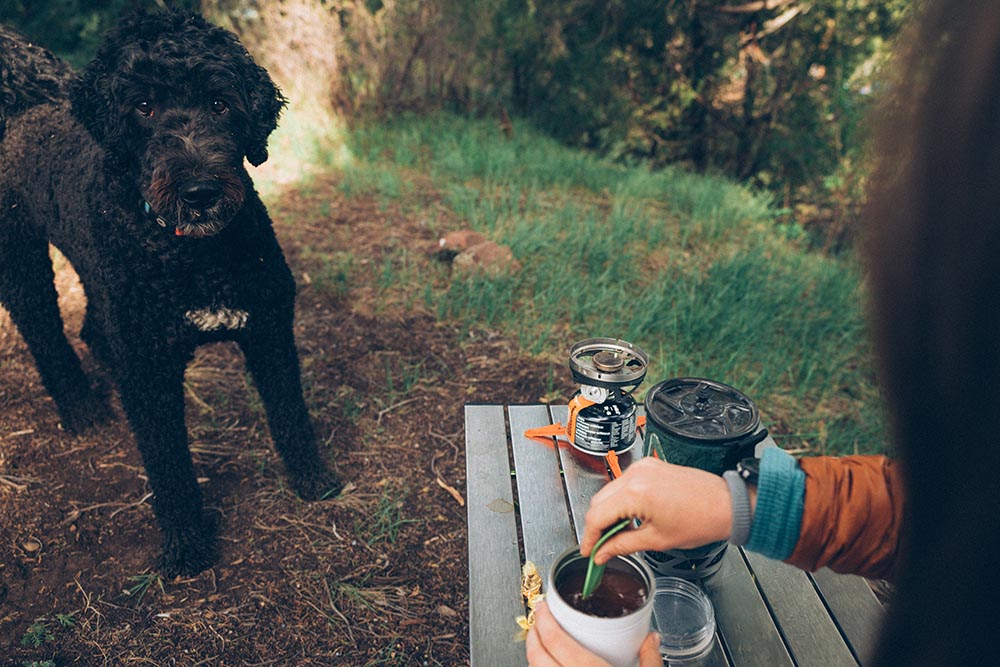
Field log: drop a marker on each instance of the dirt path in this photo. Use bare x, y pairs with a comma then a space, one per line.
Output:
375, 577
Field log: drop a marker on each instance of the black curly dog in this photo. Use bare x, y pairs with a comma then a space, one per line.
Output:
134, 171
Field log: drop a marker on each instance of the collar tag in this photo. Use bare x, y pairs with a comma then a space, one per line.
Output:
149, 213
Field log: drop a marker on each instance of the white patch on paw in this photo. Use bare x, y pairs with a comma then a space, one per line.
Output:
209, 319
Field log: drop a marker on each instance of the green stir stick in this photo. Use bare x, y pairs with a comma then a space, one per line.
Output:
596, 572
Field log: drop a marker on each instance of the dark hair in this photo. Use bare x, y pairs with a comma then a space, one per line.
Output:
933, 251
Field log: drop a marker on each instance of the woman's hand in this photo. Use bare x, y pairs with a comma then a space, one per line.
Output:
678, 507
548, 645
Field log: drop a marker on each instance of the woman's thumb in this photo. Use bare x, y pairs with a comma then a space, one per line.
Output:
649, 652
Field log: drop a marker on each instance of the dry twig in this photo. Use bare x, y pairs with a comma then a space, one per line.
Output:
437, 475
382, 413
16, 483
75, 514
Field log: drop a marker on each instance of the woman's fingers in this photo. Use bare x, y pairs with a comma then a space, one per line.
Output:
633, 495
643, 538
617, 500
537, 655
589, 540
677, 506
548, 645
649, 652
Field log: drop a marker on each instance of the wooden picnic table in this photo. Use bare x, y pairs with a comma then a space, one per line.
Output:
527, 501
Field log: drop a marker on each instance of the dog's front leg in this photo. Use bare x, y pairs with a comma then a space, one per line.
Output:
269, 347
151, 386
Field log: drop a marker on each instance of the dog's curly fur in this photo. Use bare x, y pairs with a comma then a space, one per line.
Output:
138, 179
29, 75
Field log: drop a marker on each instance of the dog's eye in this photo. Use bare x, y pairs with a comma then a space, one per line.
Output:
145, 109
219, 107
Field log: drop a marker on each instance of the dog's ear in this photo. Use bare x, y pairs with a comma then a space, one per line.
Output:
264, 102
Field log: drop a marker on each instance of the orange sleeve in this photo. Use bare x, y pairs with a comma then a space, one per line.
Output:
852, 515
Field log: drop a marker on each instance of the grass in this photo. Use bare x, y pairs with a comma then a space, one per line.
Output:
386, 519
334, 276
140, 585
704, 274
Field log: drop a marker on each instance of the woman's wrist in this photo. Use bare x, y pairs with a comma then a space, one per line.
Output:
740, 508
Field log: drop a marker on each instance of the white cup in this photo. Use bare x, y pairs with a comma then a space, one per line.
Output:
617, 639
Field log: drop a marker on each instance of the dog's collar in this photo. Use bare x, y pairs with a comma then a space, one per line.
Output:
151, 214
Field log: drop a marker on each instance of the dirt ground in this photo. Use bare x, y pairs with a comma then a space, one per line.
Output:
376, 576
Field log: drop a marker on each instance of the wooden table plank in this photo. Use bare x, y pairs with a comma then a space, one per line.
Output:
810, 634
857, 611
545, 525
494, 555
584, 475
747, 629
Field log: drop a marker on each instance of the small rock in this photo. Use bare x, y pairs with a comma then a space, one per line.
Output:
460, 240
455, 242
488, 257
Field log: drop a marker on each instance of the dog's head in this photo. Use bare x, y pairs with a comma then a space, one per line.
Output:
177, 103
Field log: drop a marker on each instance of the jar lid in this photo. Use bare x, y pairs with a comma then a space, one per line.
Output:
700, 409
684, 618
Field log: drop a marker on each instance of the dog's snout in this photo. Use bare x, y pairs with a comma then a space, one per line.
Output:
200, 194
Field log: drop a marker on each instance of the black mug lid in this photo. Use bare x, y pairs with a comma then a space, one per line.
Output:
701, 409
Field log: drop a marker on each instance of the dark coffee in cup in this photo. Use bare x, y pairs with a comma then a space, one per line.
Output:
621, 591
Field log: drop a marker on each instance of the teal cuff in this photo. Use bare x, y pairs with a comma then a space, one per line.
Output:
777, 517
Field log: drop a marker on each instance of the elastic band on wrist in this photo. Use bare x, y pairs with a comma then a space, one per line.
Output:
740, 532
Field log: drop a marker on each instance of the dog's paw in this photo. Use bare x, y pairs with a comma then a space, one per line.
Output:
316, 485
186, 553
84, 415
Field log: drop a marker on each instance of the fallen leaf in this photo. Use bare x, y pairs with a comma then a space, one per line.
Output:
445, 610
501, 506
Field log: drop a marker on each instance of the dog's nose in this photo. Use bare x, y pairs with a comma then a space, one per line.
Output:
200, 194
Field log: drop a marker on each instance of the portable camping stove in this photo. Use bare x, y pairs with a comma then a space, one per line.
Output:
603, 416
